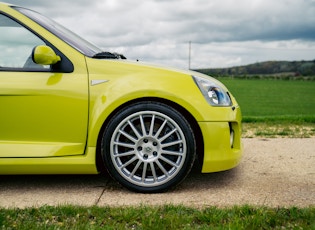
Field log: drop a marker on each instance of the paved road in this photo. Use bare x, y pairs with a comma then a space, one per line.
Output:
273, 172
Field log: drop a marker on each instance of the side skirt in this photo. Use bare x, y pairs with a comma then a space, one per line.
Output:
84, 164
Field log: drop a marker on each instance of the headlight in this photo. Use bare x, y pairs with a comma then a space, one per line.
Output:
214, 94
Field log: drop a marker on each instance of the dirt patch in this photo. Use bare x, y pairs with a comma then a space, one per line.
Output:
261, 130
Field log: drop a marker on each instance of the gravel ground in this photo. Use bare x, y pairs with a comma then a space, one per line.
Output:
273, 172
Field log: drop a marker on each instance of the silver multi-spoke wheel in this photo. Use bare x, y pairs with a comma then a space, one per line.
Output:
148, 147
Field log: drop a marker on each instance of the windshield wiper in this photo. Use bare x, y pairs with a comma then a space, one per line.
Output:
108, 55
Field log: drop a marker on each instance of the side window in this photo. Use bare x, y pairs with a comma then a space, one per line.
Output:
16, 46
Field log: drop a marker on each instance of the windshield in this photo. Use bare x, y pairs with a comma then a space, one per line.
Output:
63, 33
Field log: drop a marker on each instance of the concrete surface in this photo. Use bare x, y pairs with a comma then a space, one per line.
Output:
273, 172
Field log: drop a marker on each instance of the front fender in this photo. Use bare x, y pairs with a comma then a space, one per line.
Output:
106, 98
123, 82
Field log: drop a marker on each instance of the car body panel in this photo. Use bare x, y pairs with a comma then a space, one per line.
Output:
138, 81
63, 136
83, 164
218, 154
45, 114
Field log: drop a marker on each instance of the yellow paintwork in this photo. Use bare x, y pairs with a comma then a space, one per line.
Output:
84, 164
52, 121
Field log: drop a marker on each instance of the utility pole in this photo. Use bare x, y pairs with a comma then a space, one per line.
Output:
189, 54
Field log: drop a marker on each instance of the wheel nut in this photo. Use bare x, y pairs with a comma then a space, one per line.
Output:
145, 156
145, 140
139, 148
155, 153
154, 143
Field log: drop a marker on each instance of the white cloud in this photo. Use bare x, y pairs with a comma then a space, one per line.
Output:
223, 32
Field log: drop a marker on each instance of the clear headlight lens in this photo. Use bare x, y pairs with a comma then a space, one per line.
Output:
214, 94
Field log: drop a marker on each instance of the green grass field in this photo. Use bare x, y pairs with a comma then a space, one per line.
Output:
275, 100
164, 217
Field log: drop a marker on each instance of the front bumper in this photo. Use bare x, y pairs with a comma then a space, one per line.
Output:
220, 151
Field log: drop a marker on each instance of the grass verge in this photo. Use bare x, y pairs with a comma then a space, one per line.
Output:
276, 129
163, 217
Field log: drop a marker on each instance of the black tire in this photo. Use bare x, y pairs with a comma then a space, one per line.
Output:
148, 147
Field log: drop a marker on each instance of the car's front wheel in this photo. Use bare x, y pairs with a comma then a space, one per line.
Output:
148, 147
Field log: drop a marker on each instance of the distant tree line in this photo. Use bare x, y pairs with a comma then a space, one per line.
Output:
292, 68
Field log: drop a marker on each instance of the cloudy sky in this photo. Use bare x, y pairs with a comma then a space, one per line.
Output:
222, 33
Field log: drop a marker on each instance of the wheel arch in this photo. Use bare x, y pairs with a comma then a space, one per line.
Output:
179, 108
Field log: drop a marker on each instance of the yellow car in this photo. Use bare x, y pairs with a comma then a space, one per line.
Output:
67, 107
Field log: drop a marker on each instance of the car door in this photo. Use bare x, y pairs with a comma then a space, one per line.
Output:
43, 113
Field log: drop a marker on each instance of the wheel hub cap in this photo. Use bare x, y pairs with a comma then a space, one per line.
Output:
148, 148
